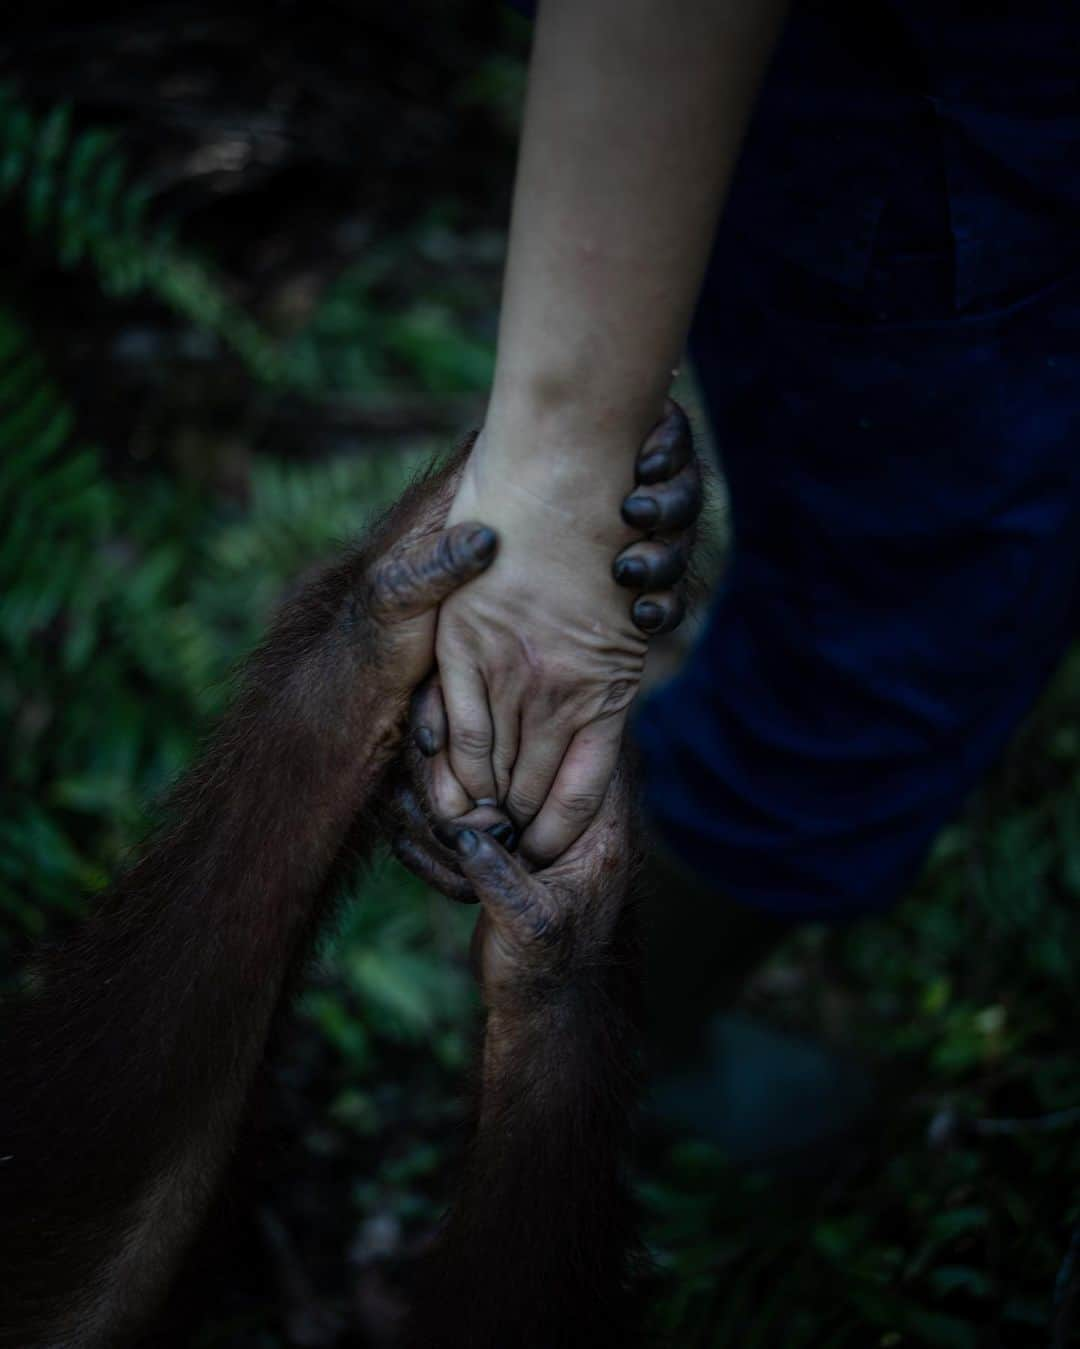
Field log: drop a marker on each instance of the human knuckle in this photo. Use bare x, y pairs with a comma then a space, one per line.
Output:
523, 802
617, 696
579, 807
471, 740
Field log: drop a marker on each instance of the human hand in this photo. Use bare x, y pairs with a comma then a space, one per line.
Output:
538, 663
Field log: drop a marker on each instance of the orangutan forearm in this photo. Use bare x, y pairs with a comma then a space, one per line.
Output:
635, 113
127, 1064
540, 1248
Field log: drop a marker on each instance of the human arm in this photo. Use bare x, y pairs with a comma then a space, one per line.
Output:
635, 113
126, 1064
540, 1247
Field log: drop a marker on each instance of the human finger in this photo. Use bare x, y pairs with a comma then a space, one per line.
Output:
541, 752
427, 718
577, 793
471, 734
506, 717
446, 796
486, 819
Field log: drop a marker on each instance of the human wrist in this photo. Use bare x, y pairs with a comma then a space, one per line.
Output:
559, 437
558, 484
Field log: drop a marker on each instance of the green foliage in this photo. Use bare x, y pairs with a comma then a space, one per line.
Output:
122, 610
373, 335
393, 971
78, 197
959, 1215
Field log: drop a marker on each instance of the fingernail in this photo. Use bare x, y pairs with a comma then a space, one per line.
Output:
504, 833
654, 466
467, 842
642, 512
482, 542
631, 571
424, 740
648, 615
485, 801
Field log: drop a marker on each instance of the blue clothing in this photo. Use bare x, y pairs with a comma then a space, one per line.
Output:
884, 122
906, 507
889, 345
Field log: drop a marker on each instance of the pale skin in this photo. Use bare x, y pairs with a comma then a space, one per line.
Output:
635, 113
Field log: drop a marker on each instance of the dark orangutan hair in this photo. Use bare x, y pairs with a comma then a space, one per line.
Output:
540, 1246
127, 1061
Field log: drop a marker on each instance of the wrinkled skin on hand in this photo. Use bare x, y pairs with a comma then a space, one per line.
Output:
563, 677
539, 933
405, 584
541, 1245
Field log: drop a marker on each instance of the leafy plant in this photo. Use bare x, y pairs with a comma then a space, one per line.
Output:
78, 196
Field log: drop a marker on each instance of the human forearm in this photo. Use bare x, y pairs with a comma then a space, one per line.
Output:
635, 113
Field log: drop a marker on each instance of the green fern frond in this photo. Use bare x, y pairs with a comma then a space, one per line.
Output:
78, 195
122, 609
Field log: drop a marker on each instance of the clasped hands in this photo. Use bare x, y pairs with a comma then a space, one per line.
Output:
539, 659
543, 784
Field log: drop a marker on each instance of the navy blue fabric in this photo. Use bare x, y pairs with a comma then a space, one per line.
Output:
889, 346
906, 506
950, 118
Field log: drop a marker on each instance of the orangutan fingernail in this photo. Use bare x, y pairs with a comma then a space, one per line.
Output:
648, 615
424, 740
504, 833
631, 571
641, 512
482, 542
467, 842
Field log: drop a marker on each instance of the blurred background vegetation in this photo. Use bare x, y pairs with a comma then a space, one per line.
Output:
251, 281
